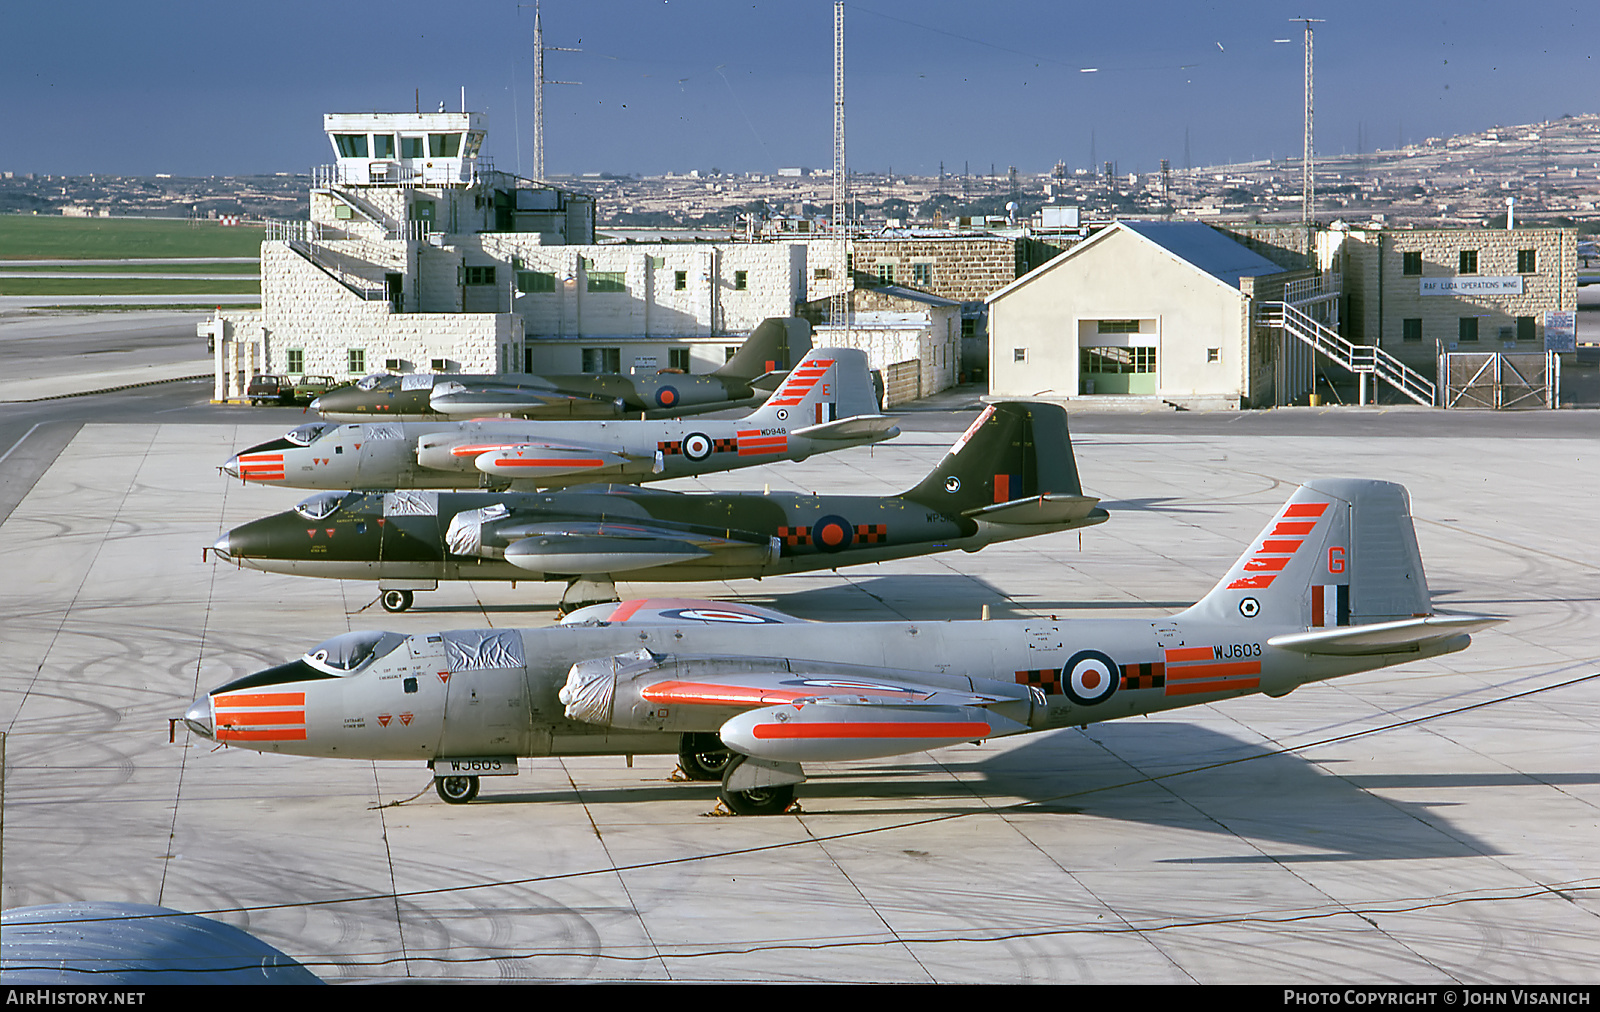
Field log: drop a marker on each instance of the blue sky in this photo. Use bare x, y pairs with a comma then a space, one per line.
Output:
197, 88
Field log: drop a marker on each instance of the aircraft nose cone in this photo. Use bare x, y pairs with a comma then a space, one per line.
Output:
231, 468
315, 405
222, 547
198, 718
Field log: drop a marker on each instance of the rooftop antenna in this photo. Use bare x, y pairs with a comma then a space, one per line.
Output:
1308, 198
839, 309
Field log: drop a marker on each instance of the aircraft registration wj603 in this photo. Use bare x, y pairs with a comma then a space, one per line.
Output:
1010, 475
744, 380
826, 403
1333, 585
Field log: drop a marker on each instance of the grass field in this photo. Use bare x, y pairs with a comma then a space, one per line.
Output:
124, 286
42, 237
205, 268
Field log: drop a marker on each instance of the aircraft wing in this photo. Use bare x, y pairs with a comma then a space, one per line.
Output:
854, 427
791, 711
1382, 637
678, 610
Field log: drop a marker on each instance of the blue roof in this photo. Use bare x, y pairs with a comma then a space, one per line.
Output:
1223, 258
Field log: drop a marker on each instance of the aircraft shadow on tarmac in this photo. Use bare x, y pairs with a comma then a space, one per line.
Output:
1279, 806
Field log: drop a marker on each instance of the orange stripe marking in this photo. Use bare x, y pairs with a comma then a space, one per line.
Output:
1191, 688
1306, 509
1181, 654
963, 730
262, 717
260, 699
285, 734
1219, 669
546, 462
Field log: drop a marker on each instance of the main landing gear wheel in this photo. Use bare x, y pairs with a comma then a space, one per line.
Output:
396, 600
702, 756
774, 800
456, 790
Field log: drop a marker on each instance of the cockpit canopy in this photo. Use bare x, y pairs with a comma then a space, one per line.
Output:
349, 653
322, 505
373, 381
305, 435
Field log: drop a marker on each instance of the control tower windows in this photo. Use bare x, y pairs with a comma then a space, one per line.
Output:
383, 145
411, 147
444, 145
351, 145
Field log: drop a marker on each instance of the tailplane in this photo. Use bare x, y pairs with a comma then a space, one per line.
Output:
775, 345
1340, 561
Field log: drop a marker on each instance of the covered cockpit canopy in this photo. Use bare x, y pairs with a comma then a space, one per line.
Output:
321, 506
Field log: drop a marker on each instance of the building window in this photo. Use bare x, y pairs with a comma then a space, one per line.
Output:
969, 327
1468, 330
886, 274
1118, 326
357, 361
1524, 326
729, 352
1411, 330
607, 281
383, 145
680, 280
922, 274
741, 280
1213, 354
678, 358
602, 360
1527, 261
1118, 360
351, 145
443, 145
1411, 263
536, 281
480, 275
822, 273
1468, 262
411, 147
297, 361
1019, 354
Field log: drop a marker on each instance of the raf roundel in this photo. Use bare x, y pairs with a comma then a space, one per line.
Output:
1249, 607
952, 484
1089, 677
783, 414
832, 534
697, 446
667, 397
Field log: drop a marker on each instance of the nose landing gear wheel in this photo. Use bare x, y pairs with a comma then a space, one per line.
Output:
702, 756
456, 790
395, 600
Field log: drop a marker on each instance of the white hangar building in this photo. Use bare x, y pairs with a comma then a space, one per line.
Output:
1151, 312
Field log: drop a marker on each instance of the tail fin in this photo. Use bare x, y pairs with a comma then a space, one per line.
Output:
1015, 450
827, 385
775, 345
1340, 552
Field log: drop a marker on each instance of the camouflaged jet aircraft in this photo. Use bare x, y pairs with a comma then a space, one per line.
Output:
827, 402
1010, 475
753, 371
1333, 585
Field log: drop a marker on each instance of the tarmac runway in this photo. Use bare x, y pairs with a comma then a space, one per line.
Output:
1428, 824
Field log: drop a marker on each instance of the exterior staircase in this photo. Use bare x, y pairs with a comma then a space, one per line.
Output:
1361, 359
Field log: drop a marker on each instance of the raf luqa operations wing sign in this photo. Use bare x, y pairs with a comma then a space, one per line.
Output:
1472, 286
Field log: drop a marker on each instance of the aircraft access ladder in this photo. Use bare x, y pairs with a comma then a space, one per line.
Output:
1362, 359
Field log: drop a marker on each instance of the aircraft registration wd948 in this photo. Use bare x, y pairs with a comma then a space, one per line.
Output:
1333, 585
827, 402
1010, 475
748, 376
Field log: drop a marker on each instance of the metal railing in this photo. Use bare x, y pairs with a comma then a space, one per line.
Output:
1361, 359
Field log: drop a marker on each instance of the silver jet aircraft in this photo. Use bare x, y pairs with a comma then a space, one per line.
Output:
1333, 585
827, 402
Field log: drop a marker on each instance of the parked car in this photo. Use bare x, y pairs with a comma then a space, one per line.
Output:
268, 389
311, 387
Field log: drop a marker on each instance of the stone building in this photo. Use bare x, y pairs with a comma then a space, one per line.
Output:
1415, 292
911, 338
419, 256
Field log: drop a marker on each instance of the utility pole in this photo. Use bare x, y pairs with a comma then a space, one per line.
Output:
539, 49
1308, 200
839, 308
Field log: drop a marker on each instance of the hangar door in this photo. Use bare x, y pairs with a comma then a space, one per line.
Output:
1117, 357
